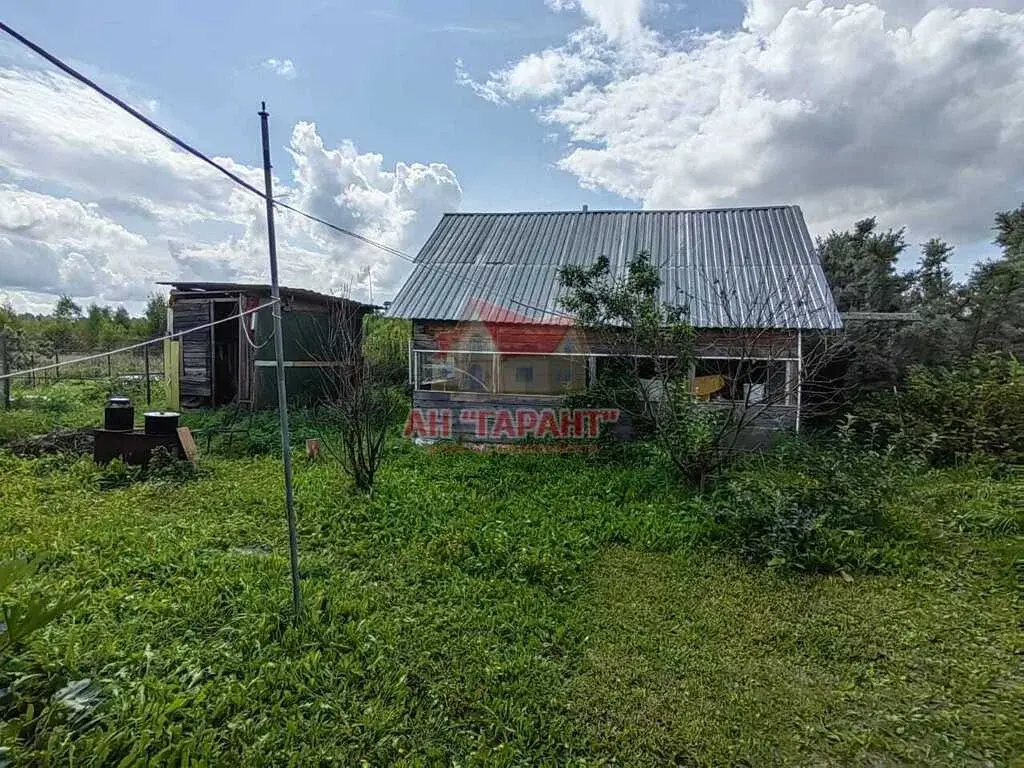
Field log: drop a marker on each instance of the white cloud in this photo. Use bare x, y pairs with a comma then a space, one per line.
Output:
537, 75
57, 131
94, 204
906, 109
283, 67
618, 19
397, 207
53, 244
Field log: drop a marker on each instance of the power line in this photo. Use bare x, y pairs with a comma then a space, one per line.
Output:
74, 73
185, 146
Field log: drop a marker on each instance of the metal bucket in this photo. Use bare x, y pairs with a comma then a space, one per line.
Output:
162, 422
119, 414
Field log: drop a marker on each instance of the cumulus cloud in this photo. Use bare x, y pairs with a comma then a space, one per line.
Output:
542, 75
282, 67
53, 244
618, 19
396, 206
95, 205
906, 109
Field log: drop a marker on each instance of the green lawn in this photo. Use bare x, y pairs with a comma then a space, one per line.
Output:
503, 610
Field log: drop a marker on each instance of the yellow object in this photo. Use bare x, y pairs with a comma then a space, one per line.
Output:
172, 371
705, 386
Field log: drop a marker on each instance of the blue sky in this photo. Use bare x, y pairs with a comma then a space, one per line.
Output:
909, 110
380, 74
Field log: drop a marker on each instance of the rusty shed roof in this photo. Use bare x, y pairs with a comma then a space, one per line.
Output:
261, 289
732, 268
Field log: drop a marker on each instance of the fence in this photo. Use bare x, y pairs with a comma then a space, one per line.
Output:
137, 368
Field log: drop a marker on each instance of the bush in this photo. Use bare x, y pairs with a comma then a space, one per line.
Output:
975, 407
821, 509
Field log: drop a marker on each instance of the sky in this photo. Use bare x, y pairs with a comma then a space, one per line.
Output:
385, 115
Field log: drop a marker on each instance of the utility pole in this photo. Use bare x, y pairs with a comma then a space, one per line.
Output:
282, 395
5, 368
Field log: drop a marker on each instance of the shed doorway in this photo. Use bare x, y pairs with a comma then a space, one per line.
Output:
225, 353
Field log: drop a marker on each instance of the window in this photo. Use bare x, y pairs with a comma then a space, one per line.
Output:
750, 381
565, 374
524, 374
476, 343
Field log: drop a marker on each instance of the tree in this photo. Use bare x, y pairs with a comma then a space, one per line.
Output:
361, 403
59, 331
1010, 233
66, 309
9, 320
648, 376
932, 283
93, 330
861, 268
156, 315
935, 336
994, 295
122, 319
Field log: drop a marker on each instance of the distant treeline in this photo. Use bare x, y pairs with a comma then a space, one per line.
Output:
952, 321
70, 328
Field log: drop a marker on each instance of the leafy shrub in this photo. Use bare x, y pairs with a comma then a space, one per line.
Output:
692, 436
163, 467
386, 348
242, 433
812, 508
949, 414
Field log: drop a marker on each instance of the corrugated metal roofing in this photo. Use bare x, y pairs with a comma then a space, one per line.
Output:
260, 289
732, 268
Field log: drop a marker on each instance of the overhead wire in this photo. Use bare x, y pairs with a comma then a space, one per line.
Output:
186, 147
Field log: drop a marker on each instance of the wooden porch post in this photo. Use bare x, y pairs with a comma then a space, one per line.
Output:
799, 375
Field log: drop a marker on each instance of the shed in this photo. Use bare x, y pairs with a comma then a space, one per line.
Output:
233, 360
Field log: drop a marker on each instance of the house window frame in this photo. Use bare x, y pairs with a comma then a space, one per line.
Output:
792, 370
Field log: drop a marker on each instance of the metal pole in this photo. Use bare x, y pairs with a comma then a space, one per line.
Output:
145, 358
5, 368
282, 396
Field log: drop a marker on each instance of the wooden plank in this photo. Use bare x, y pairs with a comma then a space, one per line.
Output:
188, 444
172, 373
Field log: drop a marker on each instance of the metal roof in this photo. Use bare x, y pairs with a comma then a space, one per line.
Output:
732, 268
261, 289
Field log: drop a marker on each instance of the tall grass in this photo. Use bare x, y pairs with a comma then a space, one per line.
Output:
495, 609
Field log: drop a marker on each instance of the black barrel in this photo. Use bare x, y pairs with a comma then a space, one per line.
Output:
162, 422
119, 414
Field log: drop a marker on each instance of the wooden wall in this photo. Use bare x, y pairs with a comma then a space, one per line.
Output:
196, 381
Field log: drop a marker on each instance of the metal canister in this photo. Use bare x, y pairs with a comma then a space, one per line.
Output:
162, 422
119, 414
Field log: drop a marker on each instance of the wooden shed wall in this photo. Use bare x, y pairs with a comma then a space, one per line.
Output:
196, 348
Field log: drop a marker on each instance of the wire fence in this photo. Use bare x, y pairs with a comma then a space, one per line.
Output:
138, 369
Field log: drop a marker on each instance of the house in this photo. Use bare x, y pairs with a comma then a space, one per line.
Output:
489, 333
234, 360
